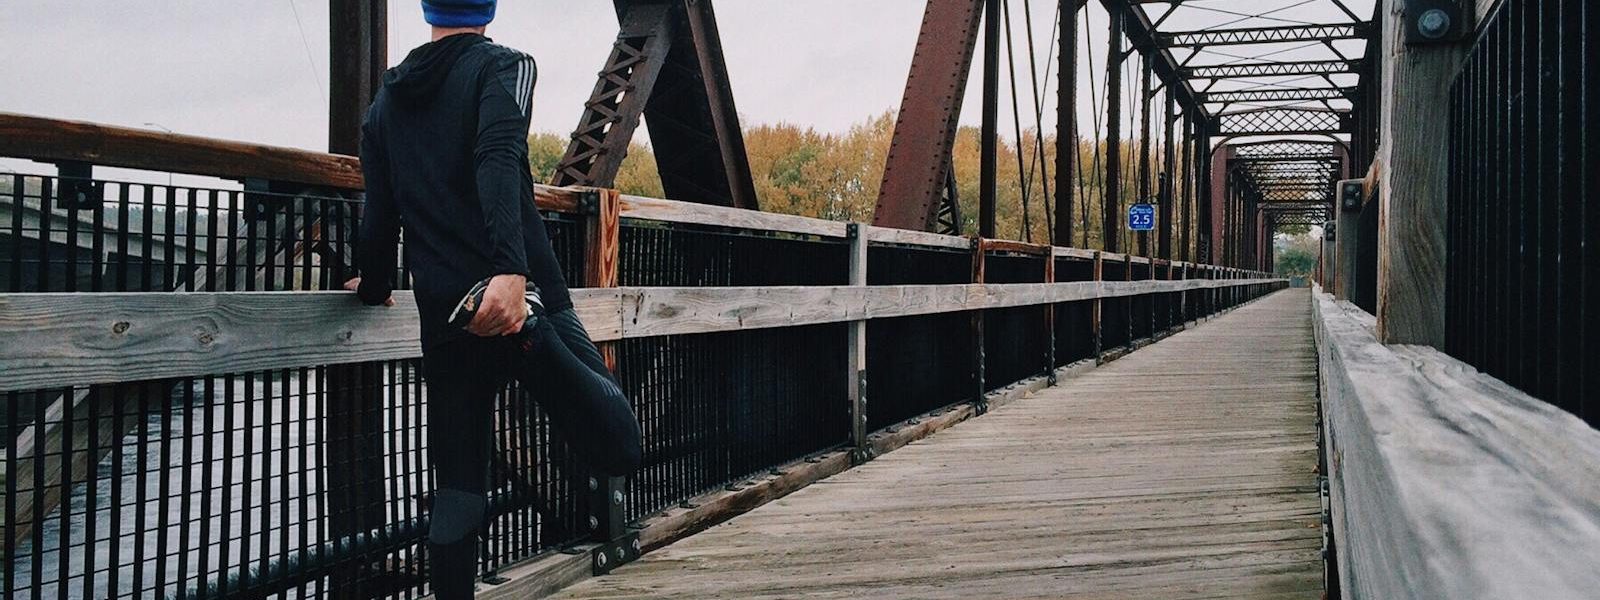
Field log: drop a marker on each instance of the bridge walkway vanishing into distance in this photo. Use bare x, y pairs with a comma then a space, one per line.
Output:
1186, 469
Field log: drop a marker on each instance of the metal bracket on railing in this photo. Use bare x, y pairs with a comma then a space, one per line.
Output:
619, 545
263, 198
589, 202
861, 456
615, 553
76, 188
980, 407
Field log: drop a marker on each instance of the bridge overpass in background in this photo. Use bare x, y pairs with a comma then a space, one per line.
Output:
912, 407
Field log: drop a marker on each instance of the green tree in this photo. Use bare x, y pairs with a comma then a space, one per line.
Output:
1297, 255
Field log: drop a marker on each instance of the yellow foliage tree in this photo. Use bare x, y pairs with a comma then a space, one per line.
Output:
800, 171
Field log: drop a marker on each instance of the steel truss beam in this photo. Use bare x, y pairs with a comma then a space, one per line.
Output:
1276, 95
916, 173
666, 64
1280, 121
1303, 67
1263, 35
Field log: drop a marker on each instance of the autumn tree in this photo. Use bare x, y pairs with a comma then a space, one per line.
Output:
801, 171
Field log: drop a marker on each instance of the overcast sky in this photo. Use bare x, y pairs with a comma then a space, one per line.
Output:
256, 70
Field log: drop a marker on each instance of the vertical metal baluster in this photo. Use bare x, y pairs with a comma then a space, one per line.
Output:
191, 222
47, 190
91, 481
247, 478
164, 500
12, 399
303, 523
18, 199
141, 484
97, 246
186, 477
225, 540
267, 397
36, 527
207, 460
285, 447
213, 234
169, 255
74, 246
64, 509
147, 242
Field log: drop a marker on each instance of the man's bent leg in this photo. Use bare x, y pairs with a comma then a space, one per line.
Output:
569, 379
462, 378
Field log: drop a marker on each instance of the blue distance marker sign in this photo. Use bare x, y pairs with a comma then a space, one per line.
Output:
1142, 217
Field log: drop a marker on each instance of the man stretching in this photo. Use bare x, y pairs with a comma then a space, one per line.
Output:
445, 153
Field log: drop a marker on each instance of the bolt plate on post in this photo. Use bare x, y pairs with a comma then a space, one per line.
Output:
615, 553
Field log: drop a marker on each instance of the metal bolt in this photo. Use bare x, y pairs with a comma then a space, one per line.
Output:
601, 559
622, 555
120, 327
616, 497
1434, 23
636, 546
594, 523
593, 484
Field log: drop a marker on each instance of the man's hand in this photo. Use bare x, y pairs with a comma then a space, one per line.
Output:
504, 308
355, 283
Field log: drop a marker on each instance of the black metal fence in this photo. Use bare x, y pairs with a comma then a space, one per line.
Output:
314, 481
1522, 255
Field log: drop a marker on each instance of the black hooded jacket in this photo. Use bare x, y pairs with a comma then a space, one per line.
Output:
445, 154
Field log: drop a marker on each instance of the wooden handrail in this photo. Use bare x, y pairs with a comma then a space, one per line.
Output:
59, 340
55, 140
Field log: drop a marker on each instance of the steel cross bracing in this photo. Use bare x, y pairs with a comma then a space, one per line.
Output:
1274, 84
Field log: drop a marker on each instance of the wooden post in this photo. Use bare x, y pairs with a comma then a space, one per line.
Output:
601, 259
1172, 303
602, 251
1099, 275
856, 352
1412, 194
979, 248
1127, 301
1183, 302
1050, 318
1347, 250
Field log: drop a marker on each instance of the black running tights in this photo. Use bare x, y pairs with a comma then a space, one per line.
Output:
563, 371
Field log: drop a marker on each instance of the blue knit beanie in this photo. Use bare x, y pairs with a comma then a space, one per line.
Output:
458, 13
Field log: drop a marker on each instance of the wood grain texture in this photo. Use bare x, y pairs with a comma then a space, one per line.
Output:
1448, 483
1413, 207
55, 340
886, 235
73, 339
1136, 480
655, 209
602, 247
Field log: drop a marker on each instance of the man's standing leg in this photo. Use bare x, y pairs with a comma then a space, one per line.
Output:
463, 378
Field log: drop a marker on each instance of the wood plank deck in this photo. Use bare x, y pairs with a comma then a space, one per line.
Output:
1183, 470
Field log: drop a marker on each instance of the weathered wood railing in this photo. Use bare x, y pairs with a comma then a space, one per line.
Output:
1446, 482
749, 341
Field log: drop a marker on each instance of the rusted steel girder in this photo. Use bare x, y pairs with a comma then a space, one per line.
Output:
917, 166
667, 65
